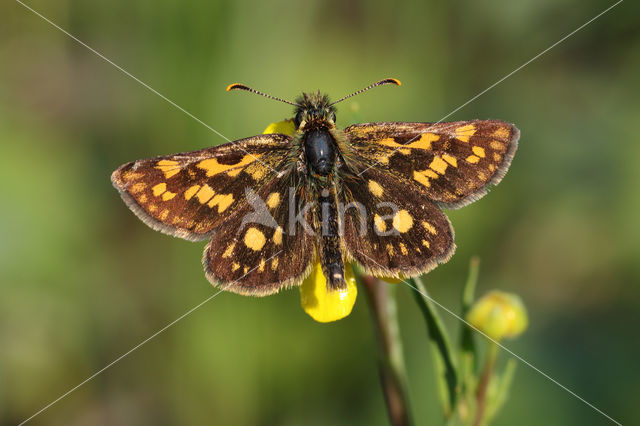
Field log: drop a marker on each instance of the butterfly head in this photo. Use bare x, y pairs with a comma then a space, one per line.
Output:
314, 111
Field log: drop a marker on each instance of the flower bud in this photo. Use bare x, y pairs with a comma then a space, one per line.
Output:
499, 315
322, 304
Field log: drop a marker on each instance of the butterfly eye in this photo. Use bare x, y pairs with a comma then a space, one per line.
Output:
333, 117
298, 119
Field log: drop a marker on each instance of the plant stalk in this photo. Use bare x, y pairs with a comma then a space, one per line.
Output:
393, 374
483, 386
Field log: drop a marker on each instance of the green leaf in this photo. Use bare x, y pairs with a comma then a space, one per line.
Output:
446, 372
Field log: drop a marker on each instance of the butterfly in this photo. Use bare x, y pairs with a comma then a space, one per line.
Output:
273, 205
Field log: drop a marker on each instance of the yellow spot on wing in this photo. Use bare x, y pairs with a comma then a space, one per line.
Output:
168, 195
421, 178
375, 188
497, 157
261, 267
429, 227
256, 170
222, 200
450, 159
205, 193
403, 249
424, 142
426, 243
501, 132
383, 159
463, 133
498, 146
273, 200
164, 214
402, 221
129, 175
159, 189
390, 250
472, 159
479, 151
212, 167
235, 266
277, 236
168, 167
189, 193
254, 239
438, 164
274, 264
389, 142
138, 187
380, 224
227, 253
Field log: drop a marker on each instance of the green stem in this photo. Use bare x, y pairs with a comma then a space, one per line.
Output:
483, 386
391, 358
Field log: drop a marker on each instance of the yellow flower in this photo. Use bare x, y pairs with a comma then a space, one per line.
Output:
392, 280
499, 315
322, 304
287, 127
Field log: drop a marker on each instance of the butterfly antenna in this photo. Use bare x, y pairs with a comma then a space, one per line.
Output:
376, 84
237, 86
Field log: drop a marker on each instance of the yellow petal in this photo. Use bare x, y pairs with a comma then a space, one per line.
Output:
324, 305
287, 127
392, 280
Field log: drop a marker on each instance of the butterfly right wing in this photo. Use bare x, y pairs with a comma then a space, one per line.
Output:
189, 194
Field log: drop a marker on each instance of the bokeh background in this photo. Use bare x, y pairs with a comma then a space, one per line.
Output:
82, 280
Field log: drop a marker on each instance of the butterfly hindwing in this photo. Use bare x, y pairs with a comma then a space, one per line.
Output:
452, 163
262, 248
189, 194
391, 230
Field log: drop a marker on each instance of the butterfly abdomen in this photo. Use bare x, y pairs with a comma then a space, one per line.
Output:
328, 238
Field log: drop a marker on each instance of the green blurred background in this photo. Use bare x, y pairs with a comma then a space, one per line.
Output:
82, 280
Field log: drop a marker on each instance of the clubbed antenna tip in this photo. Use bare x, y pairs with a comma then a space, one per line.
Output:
376, 84
238, 86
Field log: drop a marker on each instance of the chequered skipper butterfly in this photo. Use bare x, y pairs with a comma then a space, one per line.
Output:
273, 204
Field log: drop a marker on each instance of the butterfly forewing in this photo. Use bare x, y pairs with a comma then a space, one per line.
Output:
189, 194
451, 163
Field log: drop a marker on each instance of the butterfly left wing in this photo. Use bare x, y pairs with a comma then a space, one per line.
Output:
452, 163
187, 195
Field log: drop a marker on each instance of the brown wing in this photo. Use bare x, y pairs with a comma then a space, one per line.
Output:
262, 248
393, 230
452, 163
189, 194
